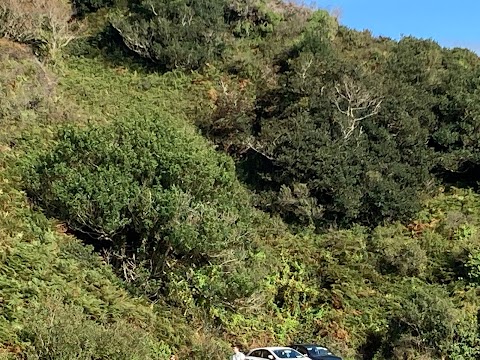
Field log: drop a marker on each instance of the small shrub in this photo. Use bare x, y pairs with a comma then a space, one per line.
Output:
425, 323
399, 253
28, 98
55, 330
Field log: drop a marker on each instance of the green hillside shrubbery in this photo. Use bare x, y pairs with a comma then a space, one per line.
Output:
158, 198
333, 198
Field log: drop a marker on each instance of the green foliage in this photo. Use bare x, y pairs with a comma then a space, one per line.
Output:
319, 32
83, 7
473, 268
366, 124
58, 299
25, 90
181, 34
305, 133
329, 127
59, 331
399, 252
251, 18
427, 324
155, 192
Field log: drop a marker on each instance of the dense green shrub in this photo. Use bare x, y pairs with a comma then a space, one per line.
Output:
319, 32
252, 18
424, 324
58, 298
352, 164
399, 252
150, 192
175, 34
83, 7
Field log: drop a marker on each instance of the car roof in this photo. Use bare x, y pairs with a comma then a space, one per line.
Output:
271, 348
322, 346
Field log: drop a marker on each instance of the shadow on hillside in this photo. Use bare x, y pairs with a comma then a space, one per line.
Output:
466, 177
108, 46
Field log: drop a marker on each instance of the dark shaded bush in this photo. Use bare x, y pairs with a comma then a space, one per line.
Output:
367, 125
182, 34
83, 7
330, 131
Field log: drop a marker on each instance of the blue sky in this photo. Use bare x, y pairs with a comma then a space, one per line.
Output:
450, 23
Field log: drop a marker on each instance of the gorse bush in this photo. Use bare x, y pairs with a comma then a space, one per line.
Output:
150, 192
175, 34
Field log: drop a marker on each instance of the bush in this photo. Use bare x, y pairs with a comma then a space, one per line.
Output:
399, 253
55, 330
252, 18
426, 324
83, 7
359, 139
352, 165
182, 34
58, 298
319, 33
154, 195
28, 97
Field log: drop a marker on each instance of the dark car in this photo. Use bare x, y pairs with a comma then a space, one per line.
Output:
315, 352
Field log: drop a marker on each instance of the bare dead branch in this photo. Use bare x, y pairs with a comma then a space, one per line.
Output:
356, 104
45, 21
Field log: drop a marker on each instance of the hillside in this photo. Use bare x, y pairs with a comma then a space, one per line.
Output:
178, 176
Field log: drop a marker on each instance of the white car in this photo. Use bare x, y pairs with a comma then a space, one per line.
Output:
275, 353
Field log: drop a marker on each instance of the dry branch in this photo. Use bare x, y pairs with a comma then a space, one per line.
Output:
356, 104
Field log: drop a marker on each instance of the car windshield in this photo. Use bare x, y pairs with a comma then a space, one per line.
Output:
287, 354
318, 351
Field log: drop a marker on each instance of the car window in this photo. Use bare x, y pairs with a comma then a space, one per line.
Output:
265, 354
300, 349
288, 354
256, 353
318, 351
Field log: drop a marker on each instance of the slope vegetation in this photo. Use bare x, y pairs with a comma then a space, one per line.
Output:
178, 176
